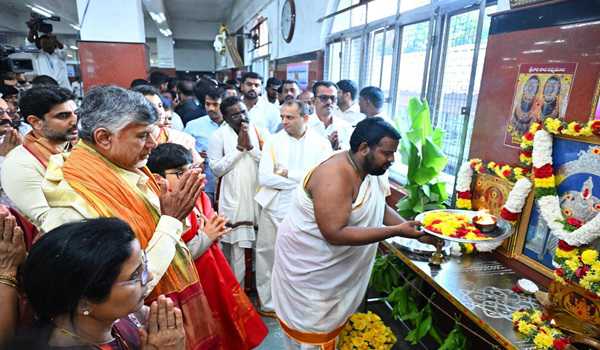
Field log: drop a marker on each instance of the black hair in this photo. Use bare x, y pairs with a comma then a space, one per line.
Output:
215, 94
290, 81
147, 90
228, 102
347, 85
168, 156
8, 90
250, 75
325, 83
172, 83
44, 80
202, 87
234, 82
40, 99
186, 87
158, 78
75, 261
374, 95
371, 130
273, 82
138, 82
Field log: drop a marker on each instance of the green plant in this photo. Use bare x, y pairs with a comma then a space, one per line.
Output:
421, 150
385, 276
456, 339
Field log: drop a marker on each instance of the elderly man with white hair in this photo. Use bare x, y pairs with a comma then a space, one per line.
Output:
105, 175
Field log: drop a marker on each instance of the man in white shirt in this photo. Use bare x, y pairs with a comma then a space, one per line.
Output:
273, 87
288, 155
335, 129
290, 90
348, 109
234, 151
261, 113
51, 60
371, 102
50, 110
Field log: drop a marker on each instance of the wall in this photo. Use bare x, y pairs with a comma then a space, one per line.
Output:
194, 55
309, 35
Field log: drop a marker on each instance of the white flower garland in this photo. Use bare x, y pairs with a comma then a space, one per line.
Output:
518, 196
550, 205
464, 178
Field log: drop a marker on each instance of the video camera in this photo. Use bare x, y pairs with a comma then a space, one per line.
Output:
16, 65
38, 24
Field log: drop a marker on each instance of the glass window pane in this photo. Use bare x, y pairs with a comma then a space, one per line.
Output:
355, 51
378, 9
335, 61
341, 21
413, 52
386, 67
359, 14
455, 84
375, 53
406, 5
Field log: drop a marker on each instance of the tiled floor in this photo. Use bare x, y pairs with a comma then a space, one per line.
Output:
274, 340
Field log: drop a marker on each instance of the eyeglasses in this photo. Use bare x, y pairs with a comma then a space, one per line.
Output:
12, 123
325, 98
179, 172
11, 113
141, 275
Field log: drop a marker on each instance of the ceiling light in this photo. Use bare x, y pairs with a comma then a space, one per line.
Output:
44, 9
75, 26
73, 47
40, 11
158, 17
532, 51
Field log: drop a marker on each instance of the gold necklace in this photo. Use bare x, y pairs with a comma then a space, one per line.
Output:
73, 335
353, 163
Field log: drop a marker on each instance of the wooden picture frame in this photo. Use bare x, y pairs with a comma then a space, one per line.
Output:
529, 217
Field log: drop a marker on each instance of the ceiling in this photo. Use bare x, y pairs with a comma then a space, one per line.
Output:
198, 10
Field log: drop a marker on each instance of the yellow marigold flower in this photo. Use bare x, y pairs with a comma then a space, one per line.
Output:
360, 324
463, 203
565, 254
553, 125
525, 328
536, 317
589, 256
546, 182
357, 341
543, 340
559, 279
518, 315
586, 283
535, 126
573, 263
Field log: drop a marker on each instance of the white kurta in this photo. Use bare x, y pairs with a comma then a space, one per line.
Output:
265, 115
298, 156
238, 172
343, 128
352, 115
316, 285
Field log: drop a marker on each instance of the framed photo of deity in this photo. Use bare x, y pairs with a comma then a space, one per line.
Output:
541, 91
576, 163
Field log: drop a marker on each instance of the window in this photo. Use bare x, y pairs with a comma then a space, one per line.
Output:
354, 59
263, 39
335, 60
381, 55
351, 18
406, 5
378, 9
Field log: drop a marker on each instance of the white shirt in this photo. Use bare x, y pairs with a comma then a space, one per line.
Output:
298, 156
343, 128
265, 115
352, 115
54, 65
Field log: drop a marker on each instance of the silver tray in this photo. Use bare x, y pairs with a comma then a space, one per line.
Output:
503, 228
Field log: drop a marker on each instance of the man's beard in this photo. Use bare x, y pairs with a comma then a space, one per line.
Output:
251, 95
370, 168
59, 136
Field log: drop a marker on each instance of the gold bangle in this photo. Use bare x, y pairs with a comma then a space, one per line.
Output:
8, 283
8, 278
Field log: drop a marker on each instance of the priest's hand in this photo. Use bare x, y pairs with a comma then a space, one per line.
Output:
11, 140
214, 227
179, 201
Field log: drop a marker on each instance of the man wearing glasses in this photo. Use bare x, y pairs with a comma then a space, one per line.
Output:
323, 121
50, 110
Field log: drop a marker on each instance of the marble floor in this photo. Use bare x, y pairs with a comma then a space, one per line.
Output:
274, 340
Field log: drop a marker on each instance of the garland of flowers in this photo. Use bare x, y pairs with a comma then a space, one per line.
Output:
463, 187
502, 170
548, 201
366, 331
579, 265
537, 328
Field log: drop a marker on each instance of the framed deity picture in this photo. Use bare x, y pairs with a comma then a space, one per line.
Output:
577, 174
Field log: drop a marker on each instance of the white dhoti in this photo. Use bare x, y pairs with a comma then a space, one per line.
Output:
317, 286
265, 255
237, 171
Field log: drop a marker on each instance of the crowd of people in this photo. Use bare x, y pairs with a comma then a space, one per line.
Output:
142, 218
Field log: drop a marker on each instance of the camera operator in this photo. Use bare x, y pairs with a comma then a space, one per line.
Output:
51, 60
